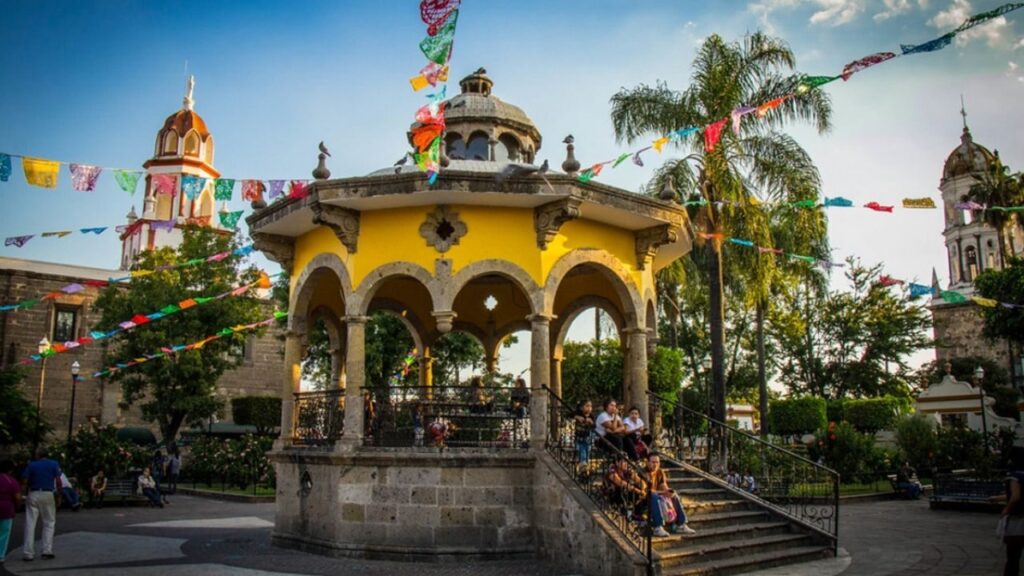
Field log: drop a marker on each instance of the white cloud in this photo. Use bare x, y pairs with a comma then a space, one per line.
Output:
1013, 71
837, 12
995, 32
898, 8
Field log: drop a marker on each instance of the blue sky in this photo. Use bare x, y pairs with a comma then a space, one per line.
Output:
91, 82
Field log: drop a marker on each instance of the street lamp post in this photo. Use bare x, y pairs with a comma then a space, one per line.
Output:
979, 373
44, 345
75, 368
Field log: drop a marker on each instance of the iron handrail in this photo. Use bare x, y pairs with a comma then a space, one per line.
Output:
319, 417
641, 537
802, 507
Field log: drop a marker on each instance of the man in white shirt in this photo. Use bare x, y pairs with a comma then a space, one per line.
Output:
612, 430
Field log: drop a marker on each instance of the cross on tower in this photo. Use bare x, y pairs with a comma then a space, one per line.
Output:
963, 112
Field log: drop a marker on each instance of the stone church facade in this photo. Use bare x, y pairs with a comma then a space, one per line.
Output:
972, 247
184, 146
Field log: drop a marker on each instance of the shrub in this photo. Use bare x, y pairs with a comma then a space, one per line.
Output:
797, 415
835, 410
915, 435
238, 462
872, 414
92, 448
263, 412
960, 447
853, 454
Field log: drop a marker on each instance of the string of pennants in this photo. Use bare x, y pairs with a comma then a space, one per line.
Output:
45, 173
712, 133
76, 287
142, 319
441, 17
915, 290
167, 351
228, 220
840, 202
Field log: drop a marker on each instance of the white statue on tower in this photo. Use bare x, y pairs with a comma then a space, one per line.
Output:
190, 85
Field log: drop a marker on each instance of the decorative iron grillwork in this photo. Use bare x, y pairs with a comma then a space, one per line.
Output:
319, 417
792, 485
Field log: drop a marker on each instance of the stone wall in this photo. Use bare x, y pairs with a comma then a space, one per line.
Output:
958, 333
407, 505
572, 531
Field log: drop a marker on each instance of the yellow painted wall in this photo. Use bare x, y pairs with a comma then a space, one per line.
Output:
494, 233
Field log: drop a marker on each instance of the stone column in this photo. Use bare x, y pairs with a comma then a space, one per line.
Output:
426, 380
556, 376
355, 374
491, 362
636, 370
290, 384
337, 367
540, 372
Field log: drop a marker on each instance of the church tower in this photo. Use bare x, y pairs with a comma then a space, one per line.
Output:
184, 147
971, 245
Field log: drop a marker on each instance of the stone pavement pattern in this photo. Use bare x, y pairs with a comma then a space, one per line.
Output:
195, 536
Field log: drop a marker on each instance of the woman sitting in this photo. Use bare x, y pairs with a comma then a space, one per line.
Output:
664, 499
97, 488
147, 486
625, 488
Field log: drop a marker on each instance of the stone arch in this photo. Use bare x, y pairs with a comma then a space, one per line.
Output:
562, 323
413, 324
477, 146
332, 320
491, 348
503, 268
363, 295
613, 270
651, 318
303, 289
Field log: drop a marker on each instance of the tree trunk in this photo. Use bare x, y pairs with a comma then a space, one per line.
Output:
717, 321
170, 429
762, 373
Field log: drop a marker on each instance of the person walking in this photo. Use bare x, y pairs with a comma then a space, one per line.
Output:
173, 471
42, 480
10, 498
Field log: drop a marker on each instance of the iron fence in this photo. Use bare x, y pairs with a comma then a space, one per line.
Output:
319, 417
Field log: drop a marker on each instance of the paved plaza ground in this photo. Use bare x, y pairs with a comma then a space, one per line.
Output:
195, 536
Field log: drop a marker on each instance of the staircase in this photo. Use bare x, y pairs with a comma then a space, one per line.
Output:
734, 534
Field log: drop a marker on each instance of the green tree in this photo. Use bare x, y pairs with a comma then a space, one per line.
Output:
388, 343
758, 159
852, 342
17, 414
589, 374
454, 352
997, 186
181, 387
263, 412
1006, 285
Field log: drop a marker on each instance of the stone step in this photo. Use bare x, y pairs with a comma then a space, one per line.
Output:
714, 535
697, 551
702, 519
704, 494
747, 563
697, 508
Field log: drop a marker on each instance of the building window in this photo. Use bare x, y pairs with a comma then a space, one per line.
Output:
64, 323
955, 420
192, 144
478, 148
971, 257
208, 150
171, 142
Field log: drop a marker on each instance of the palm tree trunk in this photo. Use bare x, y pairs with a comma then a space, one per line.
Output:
717, 321
762, 373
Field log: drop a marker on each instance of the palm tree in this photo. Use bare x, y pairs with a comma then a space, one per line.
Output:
757, 161
997, 186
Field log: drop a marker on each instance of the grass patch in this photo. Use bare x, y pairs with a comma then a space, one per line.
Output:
234, 490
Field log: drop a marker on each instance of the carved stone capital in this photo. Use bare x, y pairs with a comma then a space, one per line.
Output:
342, 221
444, 320
649, 240
548, 218
280, 249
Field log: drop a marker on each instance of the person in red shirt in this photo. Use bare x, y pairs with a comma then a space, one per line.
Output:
10, 499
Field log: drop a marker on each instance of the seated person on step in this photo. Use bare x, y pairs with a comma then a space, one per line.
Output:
625, 488
906, 480
612, 430
666, 509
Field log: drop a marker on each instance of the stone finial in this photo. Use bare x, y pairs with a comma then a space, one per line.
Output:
321, 172
667, 192
132, 216
571, 165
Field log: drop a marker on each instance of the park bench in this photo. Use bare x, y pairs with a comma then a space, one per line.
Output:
123, 490
897, 490
965, 492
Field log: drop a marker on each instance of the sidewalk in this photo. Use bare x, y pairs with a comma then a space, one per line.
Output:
198, 536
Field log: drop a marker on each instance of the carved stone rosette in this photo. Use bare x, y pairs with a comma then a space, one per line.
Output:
342, 221
280, 249
649, 239
442, 229
548, 219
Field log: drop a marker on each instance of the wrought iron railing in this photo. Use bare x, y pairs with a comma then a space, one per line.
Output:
319, 417
791, 484
448, 417
589, 460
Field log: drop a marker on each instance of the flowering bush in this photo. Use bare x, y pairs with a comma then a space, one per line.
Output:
848, 452
96, 447
239, 462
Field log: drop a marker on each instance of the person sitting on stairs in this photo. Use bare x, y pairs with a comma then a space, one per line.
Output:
666, 509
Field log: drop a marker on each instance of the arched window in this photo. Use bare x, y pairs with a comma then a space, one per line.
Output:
971, 263
507, 149
208, 150
170, 142
454, 147
206, 203
192, 144
990, 255
477, 149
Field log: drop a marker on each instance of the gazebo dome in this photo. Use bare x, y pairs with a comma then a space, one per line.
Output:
184, 134
967, 158
481, 126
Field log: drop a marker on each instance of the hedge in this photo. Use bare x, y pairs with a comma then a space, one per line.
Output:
797, 415
263, 412
872, 414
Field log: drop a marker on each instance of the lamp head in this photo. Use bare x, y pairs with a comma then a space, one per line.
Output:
979, 372
44, 345
75, 368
